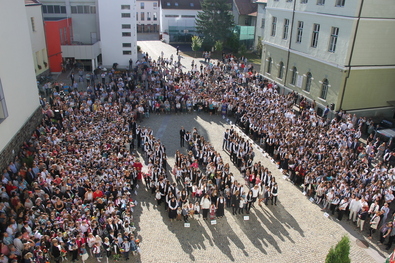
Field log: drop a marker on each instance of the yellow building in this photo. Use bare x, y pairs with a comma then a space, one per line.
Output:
334, 52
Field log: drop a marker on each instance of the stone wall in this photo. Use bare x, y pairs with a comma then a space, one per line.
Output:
24, 134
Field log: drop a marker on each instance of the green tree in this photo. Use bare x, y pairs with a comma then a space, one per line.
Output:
259, 47
215, 21
196, 43
219, 45
339, 254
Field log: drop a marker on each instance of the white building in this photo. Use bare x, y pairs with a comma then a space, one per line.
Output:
37, 36
260, 22
178, 18
19, 103
118, 32
147, 16
338, 52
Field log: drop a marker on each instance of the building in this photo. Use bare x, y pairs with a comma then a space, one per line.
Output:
37, 36
118, 34
147, 16
260, 23
78, 39
336, 52
20, 110
245, 12
178, 19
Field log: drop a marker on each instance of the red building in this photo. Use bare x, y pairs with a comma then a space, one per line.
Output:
58, 31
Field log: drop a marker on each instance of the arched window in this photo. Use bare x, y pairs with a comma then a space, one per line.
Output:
281, 70
269, 65
324, 89
308, 82
294, 75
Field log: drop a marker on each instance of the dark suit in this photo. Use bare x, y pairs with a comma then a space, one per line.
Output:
182, 133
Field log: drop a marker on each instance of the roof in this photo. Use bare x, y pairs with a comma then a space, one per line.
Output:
245, 7
181, 4
253, 14
261, 2
32, 2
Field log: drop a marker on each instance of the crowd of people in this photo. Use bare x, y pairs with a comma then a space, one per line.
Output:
68, 192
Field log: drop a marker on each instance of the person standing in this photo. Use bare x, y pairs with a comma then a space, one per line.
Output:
221, 206
182, 134
274, 193
173, 204
205, 204
235, 202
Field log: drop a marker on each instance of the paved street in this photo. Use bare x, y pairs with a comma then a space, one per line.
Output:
293, 231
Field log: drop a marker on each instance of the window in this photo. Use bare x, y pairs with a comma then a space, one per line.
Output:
155, 16
83, 9
340, 3
126, 34
188, 16
314, 38
192, 4
125, 7
324, 89
294, 75
127, 52
300, 32
142, 5
269, 66
142, 18
289, 0
263, 23
168, 3
303, 1
286, 27
148, 16
126, 26
333, 39
320, 2
155, 5
125, 14
126, 44
176, 4
33, 25
54, 9
171, 15
3, 106
281, 70
308, 82
274, 25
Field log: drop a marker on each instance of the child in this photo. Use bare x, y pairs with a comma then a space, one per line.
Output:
191, 210
185, 212
179, 213
84, 253
241, 205
212, 212
197, 208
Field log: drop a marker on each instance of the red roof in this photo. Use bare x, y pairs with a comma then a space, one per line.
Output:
246, 7
32, 2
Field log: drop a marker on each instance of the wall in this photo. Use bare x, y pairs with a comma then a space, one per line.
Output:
375, 42
39, 46
21, 93
52, 33
368, 88
111, 32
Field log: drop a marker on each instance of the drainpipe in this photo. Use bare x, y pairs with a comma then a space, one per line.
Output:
351, 54
290, 43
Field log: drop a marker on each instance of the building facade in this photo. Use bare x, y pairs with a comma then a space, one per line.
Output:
118, 32
178, 19
260, 23
37, 36
20, 109
336, 52
147, 16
